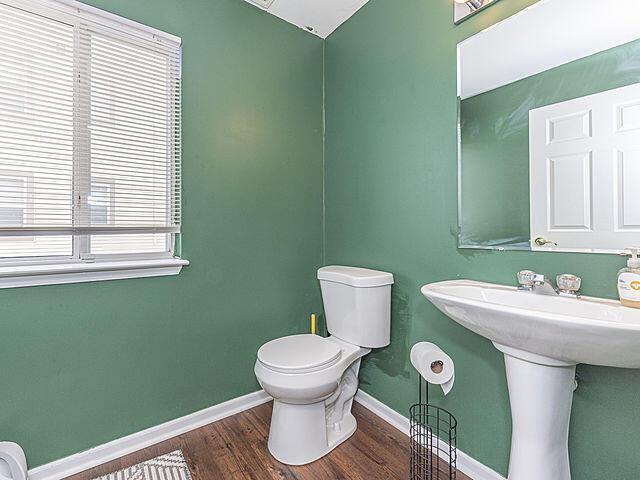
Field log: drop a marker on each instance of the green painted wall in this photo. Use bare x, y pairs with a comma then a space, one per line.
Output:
391, 204
495, 140
83, 364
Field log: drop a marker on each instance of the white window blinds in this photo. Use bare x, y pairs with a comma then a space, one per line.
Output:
89, 125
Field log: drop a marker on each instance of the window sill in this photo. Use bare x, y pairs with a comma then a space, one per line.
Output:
56, 274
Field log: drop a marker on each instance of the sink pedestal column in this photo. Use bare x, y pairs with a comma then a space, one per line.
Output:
540, 392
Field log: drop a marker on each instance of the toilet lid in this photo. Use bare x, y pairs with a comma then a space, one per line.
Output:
299, 354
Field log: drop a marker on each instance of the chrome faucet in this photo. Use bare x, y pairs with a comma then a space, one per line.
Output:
568, 285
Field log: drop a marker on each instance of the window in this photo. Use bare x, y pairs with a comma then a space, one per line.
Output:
89, 144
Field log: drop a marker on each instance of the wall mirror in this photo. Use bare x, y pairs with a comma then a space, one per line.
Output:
549, 129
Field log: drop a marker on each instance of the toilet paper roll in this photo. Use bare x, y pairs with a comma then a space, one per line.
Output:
435, 366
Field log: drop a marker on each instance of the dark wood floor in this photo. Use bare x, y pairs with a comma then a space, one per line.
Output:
235, 448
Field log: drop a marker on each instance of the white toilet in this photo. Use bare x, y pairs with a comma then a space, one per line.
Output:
313, 379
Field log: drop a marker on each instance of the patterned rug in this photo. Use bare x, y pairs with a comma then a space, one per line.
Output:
171, 466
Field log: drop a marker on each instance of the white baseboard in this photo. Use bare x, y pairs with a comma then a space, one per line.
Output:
466, 464
93, 457
388, 414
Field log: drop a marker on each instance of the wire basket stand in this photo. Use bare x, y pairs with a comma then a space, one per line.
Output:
433, 439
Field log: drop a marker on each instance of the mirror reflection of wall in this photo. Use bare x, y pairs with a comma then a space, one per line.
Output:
505, 74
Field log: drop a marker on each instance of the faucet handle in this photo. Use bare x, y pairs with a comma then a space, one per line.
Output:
527, 279
569, 284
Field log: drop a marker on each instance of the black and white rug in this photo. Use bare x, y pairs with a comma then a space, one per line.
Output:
171, 466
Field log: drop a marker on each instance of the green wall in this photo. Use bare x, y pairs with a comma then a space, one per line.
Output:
391, 203
495, 141
84, 364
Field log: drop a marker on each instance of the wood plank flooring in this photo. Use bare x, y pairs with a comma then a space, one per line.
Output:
235, 448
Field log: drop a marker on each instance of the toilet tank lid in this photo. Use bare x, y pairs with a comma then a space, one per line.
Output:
354, 276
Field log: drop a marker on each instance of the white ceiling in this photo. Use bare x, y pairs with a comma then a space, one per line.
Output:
320, 17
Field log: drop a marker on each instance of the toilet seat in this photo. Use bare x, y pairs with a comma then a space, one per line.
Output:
298, 354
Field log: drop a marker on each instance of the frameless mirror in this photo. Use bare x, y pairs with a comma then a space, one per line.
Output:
549, 129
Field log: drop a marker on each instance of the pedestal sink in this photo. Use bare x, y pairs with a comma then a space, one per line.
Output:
543, 338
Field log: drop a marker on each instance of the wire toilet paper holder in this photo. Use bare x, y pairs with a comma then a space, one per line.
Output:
433, 433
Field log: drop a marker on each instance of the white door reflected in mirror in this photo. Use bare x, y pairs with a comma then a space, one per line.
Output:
584, 172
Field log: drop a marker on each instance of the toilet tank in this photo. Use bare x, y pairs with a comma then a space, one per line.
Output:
357, 304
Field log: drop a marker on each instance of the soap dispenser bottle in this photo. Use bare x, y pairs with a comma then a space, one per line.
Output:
629, 281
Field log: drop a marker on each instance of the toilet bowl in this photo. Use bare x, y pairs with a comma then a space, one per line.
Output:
313, 384
313, 379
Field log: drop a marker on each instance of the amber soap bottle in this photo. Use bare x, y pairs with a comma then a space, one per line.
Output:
629, 281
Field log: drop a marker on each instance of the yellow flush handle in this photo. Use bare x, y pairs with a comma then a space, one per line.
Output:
313, 324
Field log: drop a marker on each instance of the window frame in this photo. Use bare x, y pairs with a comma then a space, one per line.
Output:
82, 265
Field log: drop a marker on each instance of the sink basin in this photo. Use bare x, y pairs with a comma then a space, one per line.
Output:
542, 338
566, 330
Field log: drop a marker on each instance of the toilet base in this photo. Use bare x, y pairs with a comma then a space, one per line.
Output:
336, 437
302, 434
299, 435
